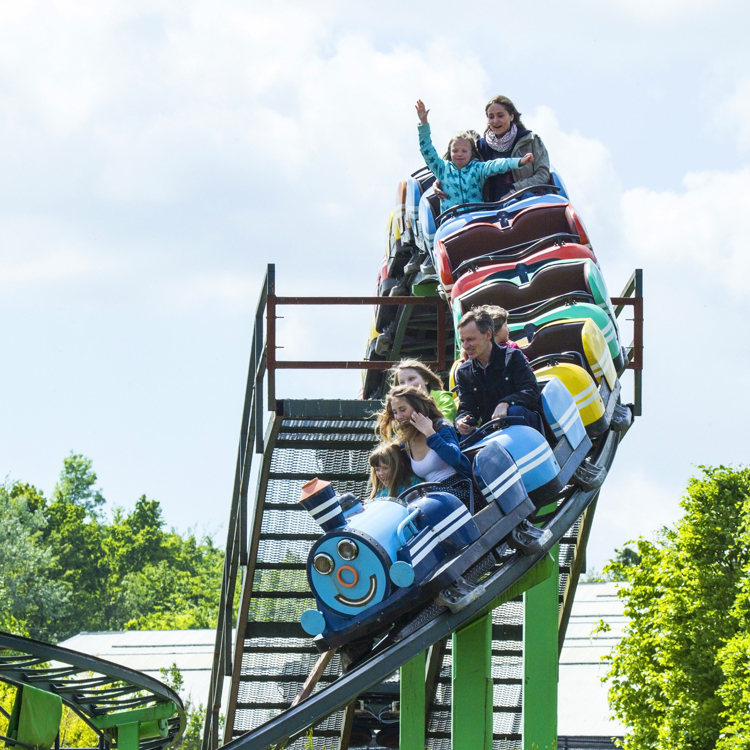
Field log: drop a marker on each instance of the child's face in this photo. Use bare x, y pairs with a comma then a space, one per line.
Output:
407, 376
461, 152
502, 335
383, 473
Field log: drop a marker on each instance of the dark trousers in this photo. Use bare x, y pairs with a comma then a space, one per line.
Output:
531, 418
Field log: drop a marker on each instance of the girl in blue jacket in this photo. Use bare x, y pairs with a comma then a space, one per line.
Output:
430, 441
461, 173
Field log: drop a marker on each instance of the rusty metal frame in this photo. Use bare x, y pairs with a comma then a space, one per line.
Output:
632, 296
273, 364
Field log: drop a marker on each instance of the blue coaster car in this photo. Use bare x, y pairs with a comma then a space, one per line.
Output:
544, 470
377, 562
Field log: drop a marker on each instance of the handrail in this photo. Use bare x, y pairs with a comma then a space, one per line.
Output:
273, 364
632, 296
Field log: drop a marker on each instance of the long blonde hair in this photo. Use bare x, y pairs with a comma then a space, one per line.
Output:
388, 455
387, 426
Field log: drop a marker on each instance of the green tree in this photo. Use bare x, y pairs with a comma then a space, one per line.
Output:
668, 683
734, 659
32, 598
76, 484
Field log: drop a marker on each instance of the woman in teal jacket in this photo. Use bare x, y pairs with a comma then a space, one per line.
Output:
461, 173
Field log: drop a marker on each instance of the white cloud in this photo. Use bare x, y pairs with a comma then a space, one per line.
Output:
736, 112
704, 225
585, 165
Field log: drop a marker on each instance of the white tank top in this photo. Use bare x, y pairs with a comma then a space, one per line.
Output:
431, 468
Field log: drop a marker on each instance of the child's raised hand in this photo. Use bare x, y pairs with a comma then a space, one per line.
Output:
527, 159
422, 111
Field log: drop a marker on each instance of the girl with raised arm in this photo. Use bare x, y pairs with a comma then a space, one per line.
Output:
461, 173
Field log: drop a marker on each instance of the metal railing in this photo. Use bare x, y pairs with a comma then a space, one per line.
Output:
632, 296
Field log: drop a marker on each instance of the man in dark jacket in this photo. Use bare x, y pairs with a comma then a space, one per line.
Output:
495, 381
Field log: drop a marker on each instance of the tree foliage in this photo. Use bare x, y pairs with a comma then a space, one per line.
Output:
65, 569
680, 676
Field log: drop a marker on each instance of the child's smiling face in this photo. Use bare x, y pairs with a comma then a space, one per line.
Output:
461, 152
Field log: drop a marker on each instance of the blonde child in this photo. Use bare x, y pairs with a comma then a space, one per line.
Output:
461, 172
389, 473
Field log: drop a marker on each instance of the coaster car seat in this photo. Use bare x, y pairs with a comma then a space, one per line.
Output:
528, 226
581, 337
528, 265
582, 388
526, 325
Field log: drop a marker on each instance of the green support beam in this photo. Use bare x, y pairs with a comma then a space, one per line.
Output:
540, 663
472, 711
140, 723
413, 704
471, 718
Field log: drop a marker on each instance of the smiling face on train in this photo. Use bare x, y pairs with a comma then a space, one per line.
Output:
347, 575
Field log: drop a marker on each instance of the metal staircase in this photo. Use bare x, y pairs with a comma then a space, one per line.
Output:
330, 440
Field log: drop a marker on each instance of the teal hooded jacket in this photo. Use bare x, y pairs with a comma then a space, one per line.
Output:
460, 185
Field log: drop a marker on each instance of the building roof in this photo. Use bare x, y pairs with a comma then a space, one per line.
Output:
582, 704
149, 651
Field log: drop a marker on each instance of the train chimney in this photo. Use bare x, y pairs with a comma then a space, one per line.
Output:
321, 501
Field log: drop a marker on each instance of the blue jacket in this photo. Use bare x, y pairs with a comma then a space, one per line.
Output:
445, 443
461, 185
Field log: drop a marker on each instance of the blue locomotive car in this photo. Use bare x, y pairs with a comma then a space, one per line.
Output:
378, 561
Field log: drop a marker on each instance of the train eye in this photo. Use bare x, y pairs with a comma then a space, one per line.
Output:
347, 549
323, 564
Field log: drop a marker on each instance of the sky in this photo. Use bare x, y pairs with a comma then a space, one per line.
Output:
156, 156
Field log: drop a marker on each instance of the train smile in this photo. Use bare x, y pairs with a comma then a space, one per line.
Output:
366, 599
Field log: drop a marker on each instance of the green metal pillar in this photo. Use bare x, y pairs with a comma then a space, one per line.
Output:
128, 736
540, 663
471, 718
413, 708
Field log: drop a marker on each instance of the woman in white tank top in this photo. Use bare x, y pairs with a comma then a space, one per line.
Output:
413, 417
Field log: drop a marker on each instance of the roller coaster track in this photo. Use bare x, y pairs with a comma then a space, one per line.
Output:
105, 695
270, 656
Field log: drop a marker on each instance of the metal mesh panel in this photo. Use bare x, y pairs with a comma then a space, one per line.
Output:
326, 437
289, 522
280, 580
308, 461
288, 490
279, 610
274, 669
275, 551
319, 425
511, 613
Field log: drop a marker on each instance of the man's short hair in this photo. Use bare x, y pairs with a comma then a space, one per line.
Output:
479, 317
498, 314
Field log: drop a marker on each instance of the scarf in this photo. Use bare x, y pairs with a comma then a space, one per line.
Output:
505, 142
